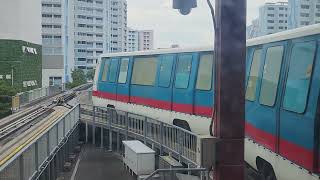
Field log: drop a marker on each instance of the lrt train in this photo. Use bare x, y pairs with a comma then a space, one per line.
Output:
282, 96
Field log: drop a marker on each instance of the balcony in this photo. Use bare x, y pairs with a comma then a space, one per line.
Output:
80, 54
51, 31
81, 46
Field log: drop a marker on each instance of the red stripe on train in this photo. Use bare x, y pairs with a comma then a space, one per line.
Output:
185, 108
291, 151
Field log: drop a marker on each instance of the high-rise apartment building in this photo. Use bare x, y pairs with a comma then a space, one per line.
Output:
273, 17
145, 40
117, 29
76, 32
57, 40
90, 34
303, 13
139, 40
132, 40
100, 27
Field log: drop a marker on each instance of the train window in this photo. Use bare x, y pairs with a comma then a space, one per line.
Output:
144, 71
299, 76
113, 70
105, 70
183, 71
204, 79
271, 74
253, 76
165, 71
123, 70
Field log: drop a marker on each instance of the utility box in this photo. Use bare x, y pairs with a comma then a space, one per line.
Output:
139, 157
206, 151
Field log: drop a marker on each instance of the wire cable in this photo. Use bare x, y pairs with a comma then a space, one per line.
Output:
212, 14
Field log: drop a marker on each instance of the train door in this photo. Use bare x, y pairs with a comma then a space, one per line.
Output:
165, 79
109, 90
297, 114
262, 104
183, 91
123, 80
203, 98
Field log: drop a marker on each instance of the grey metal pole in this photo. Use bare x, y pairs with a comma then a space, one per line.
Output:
101, 138
86, 132
94, 126
11, 76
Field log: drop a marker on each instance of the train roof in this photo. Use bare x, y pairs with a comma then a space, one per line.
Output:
284, 35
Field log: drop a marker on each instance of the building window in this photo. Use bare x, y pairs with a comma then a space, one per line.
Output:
318, 14
57, 5
280, 21
304, 14
299, 76
270, 8
271, 15
270, 27
144, 71
46, 5
305, 6
123, 70
57, 16
253, 76
281, 8
183, 71
281, 15
305, 23
204, 78
47, 15
271, 74
270, 21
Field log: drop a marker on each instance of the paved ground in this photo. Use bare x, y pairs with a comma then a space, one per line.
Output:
98, 164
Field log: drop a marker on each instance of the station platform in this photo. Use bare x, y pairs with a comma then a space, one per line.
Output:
99, 164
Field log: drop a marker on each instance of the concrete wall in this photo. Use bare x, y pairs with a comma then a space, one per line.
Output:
52, 66
21, 20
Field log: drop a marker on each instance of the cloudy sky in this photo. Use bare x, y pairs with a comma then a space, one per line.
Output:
172, 28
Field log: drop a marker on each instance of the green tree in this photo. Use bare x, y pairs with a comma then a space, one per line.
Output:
6, 92
90, 74
78, 77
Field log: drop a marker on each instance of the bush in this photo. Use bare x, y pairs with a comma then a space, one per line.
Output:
6, 92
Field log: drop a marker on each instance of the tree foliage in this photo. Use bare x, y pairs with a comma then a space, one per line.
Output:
90, 74
6, 92
78, 77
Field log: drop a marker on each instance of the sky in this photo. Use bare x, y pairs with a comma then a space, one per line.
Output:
170, 27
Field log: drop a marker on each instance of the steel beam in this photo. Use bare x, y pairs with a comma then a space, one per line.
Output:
230, 53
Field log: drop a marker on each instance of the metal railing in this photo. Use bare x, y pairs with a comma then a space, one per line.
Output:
27, 97
172, 174
170, 139
53, 141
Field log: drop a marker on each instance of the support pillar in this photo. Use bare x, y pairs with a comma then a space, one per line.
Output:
101, 137
230, 55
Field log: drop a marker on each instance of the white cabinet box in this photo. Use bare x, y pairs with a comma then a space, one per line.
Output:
139, 157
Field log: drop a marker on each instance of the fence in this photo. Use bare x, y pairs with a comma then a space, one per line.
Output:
27, 97
44, 155
180, 143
